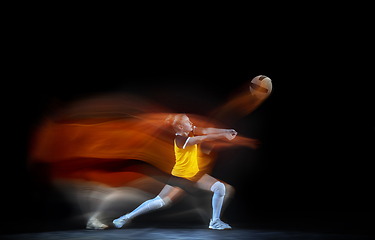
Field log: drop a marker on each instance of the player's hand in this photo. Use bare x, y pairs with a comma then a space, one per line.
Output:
230, 134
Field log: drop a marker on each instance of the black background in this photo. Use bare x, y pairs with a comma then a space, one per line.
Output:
316, 128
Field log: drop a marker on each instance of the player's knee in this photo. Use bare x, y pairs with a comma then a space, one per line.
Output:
156, 203
218, 188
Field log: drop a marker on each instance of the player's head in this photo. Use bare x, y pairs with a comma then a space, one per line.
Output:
182, 124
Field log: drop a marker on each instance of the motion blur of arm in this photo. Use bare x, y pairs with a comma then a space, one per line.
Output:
207, 131
229, 134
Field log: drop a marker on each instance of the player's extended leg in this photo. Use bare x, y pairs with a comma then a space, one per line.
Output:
165, 197
218, 188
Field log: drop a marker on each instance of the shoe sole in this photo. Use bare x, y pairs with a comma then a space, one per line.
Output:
219, 228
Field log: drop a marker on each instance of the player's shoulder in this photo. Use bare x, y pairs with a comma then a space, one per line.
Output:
181, 141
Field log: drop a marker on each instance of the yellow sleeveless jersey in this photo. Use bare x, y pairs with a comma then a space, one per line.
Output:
186, 160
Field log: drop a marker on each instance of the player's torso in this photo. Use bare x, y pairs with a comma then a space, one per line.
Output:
186, 165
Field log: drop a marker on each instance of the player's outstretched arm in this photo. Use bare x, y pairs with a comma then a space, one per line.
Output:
229, 134
206, 131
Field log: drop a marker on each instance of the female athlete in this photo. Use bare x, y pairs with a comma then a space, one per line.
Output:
185, 173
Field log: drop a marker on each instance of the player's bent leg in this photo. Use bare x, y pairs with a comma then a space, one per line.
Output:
147, 206
219, 190
163, 199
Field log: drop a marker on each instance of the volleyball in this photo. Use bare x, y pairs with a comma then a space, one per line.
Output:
261, 87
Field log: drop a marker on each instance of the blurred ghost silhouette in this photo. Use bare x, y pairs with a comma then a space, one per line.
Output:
110, 152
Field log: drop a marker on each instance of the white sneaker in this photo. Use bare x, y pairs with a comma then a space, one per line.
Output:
94, 223
121, 221
219, 225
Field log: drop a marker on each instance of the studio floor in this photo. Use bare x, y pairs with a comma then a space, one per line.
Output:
196, 232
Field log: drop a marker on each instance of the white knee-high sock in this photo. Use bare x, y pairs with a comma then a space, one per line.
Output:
147, 206
218, 189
